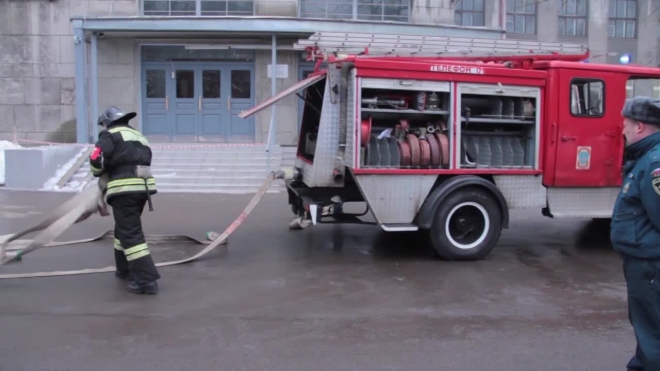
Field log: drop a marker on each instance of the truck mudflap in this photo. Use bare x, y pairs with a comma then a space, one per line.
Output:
430, 206
324, 204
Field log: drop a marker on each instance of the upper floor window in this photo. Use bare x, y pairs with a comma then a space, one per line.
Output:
572, 19
521, 16
623, 19
368, 10
197, 7
469, 13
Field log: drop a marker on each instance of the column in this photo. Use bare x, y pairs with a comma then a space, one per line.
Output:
94, 84
82, 129
547, 16
647, 43
597, 21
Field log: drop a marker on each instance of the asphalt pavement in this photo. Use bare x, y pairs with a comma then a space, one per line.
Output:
550, 297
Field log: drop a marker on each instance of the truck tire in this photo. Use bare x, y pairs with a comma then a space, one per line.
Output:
467, 225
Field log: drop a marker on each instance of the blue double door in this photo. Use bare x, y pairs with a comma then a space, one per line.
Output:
193, 102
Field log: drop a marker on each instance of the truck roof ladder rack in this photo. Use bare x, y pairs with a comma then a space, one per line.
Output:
322, 45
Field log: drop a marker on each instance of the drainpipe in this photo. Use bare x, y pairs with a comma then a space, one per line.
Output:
503, 17
94, 85
82, 133
273, 92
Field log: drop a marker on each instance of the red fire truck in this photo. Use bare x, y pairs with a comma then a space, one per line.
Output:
450, 135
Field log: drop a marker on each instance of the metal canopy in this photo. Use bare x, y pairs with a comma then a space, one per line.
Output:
300, 27
405, 45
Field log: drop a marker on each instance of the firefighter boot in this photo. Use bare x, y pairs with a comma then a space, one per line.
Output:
149, 288
299, 223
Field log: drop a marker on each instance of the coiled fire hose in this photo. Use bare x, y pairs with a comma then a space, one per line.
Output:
90, 201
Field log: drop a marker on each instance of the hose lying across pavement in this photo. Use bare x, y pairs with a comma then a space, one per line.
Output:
88, 202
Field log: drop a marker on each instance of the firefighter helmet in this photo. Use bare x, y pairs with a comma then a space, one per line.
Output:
113, 114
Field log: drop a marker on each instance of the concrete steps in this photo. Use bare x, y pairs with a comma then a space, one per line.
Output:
208, 170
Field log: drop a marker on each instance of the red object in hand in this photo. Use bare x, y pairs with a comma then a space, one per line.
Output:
95, 154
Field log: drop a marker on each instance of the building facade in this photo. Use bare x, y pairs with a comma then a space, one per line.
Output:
611, 28
188, 67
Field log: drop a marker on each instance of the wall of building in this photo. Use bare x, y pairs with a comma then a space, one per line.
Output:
36, 73
642, 45
118, 74
37, 96
432, 12
287, 108
640, 40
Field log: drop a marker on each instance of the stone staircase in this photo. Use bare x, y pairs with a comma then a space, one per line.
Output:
239, 169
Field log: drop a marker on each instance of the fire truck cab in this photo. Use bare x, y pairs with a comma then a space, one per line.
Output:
448, 145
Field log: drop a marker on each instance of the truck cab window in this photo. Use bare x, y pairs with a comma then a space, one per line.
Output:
587, 97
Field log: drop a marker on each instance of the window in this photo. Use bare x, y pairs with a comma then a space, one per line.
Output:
623, 19
649, 87
521, 16
368, 10
587, 97
469, 13
241, 84
197, 7
573, 18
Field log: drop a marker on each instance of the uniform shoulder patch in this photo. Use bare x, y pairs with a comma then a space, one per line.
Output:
655, 180
655, 173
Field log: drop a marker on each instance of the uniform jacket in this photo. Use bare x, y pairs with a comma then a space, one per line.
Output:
118, 150
635, 227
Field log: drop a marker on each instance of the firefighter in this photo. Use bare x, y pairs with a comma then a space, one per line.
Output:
124, 154
635, 227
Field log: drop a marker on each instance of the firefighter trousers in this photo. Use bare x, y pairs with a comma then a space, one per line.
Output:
132, 256
643, 283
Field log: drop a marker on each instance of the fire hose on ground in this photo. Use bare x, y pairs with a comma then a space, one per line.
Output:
91, 201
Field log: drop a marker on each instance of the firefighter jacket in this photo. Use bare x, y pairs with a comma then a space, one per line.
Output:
635, 226
118, 150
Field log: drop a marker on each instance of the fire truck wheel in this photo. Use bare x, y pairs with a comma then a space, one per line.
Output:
467, 225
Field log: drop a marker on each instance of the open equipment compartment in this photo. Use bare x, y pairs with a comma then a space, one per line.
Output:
404, 123
311, 119
499, 126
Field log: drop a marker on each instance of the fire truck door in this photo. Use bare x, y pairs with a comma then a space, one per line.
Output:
588, 130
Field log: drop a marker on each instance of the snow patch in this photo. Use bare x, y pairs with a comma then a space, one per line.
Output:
3, 146
169, 175
51, 184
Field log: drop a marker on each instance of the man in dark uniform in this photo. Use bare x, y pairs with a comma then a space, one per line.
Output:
124, 154
635, 228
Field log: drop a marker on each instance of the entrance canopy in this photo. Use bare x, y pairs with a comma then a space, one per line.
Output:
292, 26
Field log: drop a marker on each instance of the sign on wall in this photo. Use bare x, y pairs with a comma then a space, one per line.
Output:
281, 71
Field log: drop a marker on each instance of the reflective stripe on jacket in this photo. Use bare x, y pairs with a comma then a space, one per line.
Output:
118, 150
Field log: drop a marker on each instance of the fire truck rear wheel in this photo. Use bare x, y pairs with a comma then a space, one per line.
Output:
467, 225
